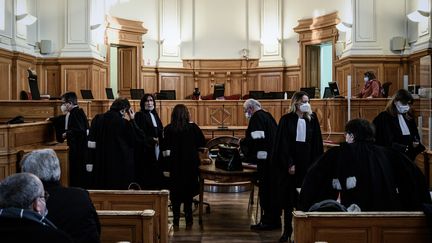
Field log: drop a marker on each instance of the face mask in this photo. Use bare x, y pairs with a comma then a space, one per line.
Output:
305, 107
349, 138
63, 108
122, 112
366, 79
247, 115
44, 213
402, 108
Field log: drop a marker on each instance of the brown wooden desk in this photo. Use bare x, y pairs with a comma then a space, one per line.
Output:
214, 131
210, 172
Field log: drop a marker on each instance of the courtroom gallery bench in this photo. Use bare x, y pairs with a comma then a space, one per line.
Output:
130, 226
366, 227
133, 200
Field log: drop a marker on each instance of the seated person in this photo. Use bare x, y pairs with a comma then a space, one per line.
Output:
372, 87
359, 172
23, 210
71, 209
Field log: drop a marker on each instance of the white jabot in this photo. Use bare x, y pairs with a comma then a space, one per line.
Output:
301, 130
403, 125
67, 121
153, 119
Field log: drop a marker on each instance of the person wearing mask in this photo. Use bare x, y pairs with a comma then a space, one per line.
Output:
70, 208
73, 126
372, 87
396, 126
114, 135
359, 172
23, 211
149, 171
298, 144
180, 145
257, 148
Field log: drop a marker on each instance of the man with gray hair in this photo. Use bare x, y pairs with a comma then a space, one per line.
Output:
23, 211
257, 147
71, 209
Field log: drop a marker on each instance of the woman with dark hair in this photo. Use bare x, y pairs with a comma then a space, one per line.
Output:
148, 170
359, 172
180, 144
372, 87
298, 144
396, 126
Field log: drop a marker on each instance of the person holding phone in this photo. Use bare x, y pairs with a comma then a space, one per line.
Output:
115, 134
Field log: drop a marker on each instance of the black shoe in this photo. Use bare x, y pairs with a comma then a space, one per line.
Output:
263, 226
285, 237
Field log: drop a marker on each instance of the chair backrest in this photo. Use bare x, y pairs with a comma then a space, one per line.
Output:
386, 88
136, 94
310, 91
109, 93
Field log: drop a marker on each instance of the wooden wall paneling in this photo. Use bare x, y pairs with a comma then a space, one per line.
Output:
204, 84
252, 82
103, 79
95, 84
149, 80
75, 78
22, 77
393, 72
235, 84
270, 81
274, 107
5, 76
52, 80
291, 81
216, 112
172, 81
189, 86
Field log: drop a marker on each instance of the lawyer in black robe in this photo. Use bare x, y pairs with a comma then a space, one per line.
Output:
258, 147
148, 169
298, 144
73, 126
396, 126
115, 134
180, 150
359, 172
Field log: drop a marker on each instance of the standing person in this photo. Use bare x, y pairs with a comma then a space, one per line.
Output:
372, 87
180, 144
298, 144
73, 126
23, 211
359, 172
70, 208
149, 172
396, 126
115, 134
257, 147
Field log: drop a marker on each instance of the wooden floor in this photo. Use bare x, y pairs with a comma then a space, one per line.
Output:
228, 221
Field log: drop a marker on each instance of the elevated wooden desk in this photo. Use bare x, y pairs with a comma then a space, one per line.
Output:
210, 172
214, 131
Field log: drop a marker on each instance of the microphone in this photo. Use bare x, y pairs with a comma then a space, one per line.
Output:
222, 126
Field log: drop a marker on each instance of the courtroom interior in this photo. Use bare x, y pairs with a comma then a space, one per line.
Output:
212, 56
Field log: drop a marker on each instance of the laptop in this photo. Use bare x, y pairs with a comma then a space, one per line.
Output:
86, 94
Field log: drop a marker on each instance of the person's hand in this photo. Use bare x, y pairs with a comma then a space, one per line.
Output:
369, 97
64, 135
156, 140
129, 115
291, 170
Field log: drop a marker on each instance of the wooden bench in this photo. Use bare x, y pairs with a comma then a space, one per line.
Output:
137, 200
130, 226
365, 227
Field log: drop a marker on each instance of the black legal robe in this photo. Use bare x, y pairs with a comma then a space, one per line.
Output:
148, 170
289, 152
115, 137
389, 134
385, 179
76, 137
261, 121
183, 162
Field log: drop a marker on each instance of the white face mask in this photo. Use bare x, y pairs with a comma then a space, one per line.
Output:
402, 108
149, 107
63, 108
248, 115
366, 79
305, 107
349, 138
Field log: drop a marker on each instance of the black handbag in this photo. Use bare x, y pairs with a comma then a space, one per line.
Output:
228, 158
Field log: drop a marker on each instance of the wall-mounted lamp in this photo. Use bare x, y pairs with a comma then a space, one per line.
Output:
344, 26
26, 19
418, 15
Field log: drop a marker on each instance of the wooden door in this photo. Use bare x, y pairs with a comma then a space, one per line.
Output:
127, 70
313, 66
